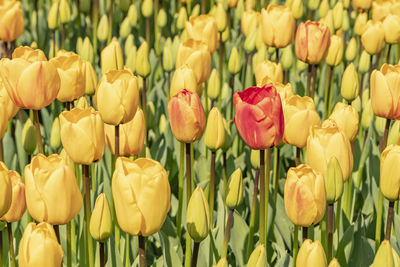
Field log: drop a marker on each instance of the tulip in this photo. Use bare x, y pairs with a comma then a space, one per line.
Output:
222, 263
380, 9
363, 64
72, 76
346, 21
29, 137
234, 192
125, 28
395, 8
196, 55
31, 81
215, 130
328, 141
335, 51
250, 42
258, 257
360, 23
186, 116
82, 135
328, 21
11, 21
131, 136
168, 61
313, 4
334, 263
52, 194
5, 189
304, 196
102, 29
384, 88
373, 37
232, 3
220, 17
300, 114
64, 11
198, 216
132, 15
391, 25
273, 20
351, 50
259, 116
269, 69
143, 67
249, 21
349, 88
367, 115
312, 42
346, 119
162, 18
203, 28
287, 57
385, 256
323, 8
183, 78
111, 57
234, 63
7, 106
394, 133
90, 78
39, 247
362, 4
297, 9
117, 97
213, 85
86, 50
141, 194
333, 181
131, 59
182, 18
147, 8
338, 15
53, 16
18, 204
389, 178
100, 221
311, 254
55, 140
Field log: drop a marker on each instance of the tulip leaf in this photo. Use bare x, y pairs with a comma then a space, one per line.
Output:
345, 246
238, 239
22, 156
171, 247
9, 151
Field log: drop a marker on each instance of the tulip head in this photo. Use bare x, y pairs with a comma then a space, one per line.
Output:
346, 119
18, 203
381, 9
11, 21
335, 51
234, 193
338, 15
351, 50
333, 181
249, 21
258, 258
111, 57
389, 178
5, 189
143, 67
214, 85
334, 263
203, 28
385, 256
100, 221
391, 25
183, 78
198, 216
234, 63
102, 28
269, 69
29, 137
360, 23
7, 106
311, 254
214, 136
373, 37
222, 263
362, 4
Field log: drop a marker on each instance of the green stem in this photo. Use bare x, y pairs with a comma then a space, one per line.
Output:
305, 233
212, 188
262, 198
180, 191
69, 247
330, 231
295, 244
127, 262
298, 152
87, 208
57, 230
37, 128
188, 253
308, 80
276, 171
338, 214
110, 15
11, 244
221, 68
328, 92
189, 7
117, 230
267, 182
252, 216
323, 224
347, 198
314, 78
142, 251
227, 233
73, 236
148, 31
95, 18
389, 220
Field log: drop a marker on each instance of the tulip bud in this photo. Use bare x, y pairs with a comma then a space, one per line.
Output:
234, 193
313, 4
255, 158
363, 65
131, 59
183, 78
86, 51
90, 78
311, 254
389, 175
349, 88
351, 49
111, 57
391, 25
228, 137
147, 8
125, 28
168, 60
39, 246
297, 9
29, 137
213, 86
234, 64
53, 16
162, 18
333, 181
18, 203
394, 133
250, 42
215, 131
360, 23
334, 263
380, 125
132, 15
324, 8
222, 263
328, 21
100, 222
269, 69
143, 67
65, 12
258, 257
220, 17
367, 115
287, 57
198, 216
373, 37
335, 51
82, 103
182, 18
55, 140
129, 43
249, 21
338, 15
5, 189
301, 65
385, 256
102, 29
346, 119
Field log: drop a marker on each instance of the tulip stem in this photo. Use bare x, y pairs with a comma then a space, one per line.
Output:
245, 70
110, 15
277, 159
189, 7
314, 74
295, 243
224, 171
252, 216
389, 220
148, 31
277, 55
188, 253
233, 91
116, 143
144, 103
267, 182
180, 191
69, 248
221, 69
388, 54
11, 243
57, 230
227, 233
298, 152
371, 58
330, 231
142, 251
127, 262
95, 18
328, 92
87, 208
212, 188
37, 128
195, 252
305, 233
101, 249
262, 198
203, 6
308, 80
378, 59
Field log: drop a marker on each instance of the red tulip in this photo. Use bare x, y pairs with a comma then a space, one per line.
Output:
259, 116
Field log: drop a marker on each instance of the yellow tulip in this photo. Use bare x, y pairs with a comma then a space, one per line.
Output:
11, 21
183, 78
285, 91
297, 8
5, 189
147, 8
334, 263
39, 247
198, 216
373, 37
222, 263
141, 194
18, 203
31, 81
333, 181
100, 221
304, 196
182, 18
55, 140
213, 85
249, 21
53, 18
361, 22
117, 97
220, 17
311, 254
131, 59
363, 64
90, 78
234, 192
385, 256
29, 137
273, 20
131, 135
258, 257
6, 104
214, 136
391, 25
323, 8
338, 15
86, 51
111, 57
328, 21
351, 50
362, 4
346, 119
269, 69
349, 88
389, 176
325, 142
125, 28
234, 63
82, 135
384, 91
102, 28
335, 51
300, 114
64, 11
143, 67
52, 194
380, 9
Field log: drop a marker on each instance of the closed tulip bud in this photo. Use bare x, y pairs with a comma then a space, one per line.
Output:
220, 17
55, 140
269, 69
234, 193
384, 86
287, 57
363, 65
129, 43
346, 21
389, 178
333, 181
45, 178
325, 142
228, 137
385, 256
31, 81
132, 15
239, 10
102, 29
338, 15
312, 42
313, 4
346, 119
147, 8
394, 133
273, 20
182, 18
360, 23
334, 263
323, 8
250, 4
300, 114
11, 21
213, 86
90, 78
29, 137
117, 96
125, 28
304, 196
86, 51
198, 216
255, 158
183, 78
232, 3
82, 103
111, 57
362, 4
351, 49
162, 18
250, 41
5, 189
18, 203
249, 21
123, 5
141, 194
204, 28
65, 12
367, 115
39, 246
196, 55
53, 18
168, 60
349, 88
131, 59
380, 125
221, 263
82, 135
234, 63
7, 106
297, 9
258, 258
100, 221
311, 254
143, 67
186, 116
335, 51
131, 136
373, 37
380, 9
391, 25
215, 131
